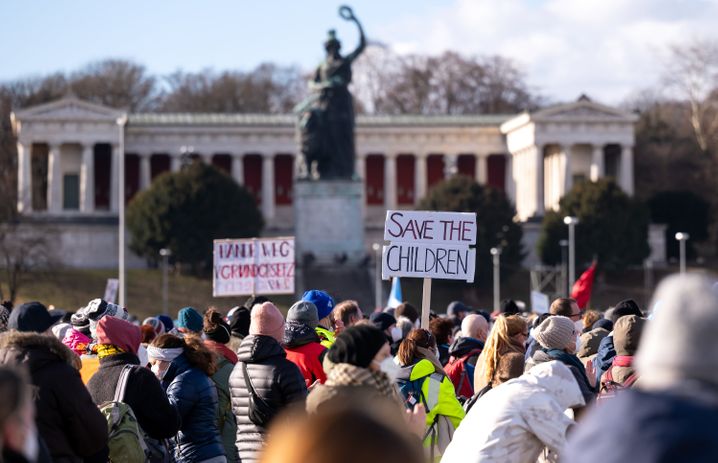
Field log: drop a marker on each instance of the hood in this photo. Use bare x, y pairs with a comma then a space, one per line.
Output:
556, 379
298, 334
257, 348
627, 333
35, 350
463, 345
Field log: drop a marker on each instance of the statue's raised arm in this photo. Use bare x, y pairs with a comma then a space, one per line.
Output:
346, 13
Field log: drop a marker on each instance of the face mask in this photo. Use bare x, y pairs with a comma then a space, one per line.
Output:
389, 368
396, 334
578, 324
31, 447
158, 370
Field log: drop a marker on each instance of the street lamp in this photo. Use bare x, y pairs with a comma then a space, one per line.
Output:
377, 275
165, 254
496, 258
121, 122
571, 222
682, 237
564, 277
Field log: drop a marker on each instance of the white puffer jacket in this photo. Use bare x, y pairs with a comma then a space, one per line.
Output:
516, 421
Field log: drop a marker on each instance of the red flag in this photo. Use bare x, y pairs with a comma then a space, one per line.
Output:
581, 290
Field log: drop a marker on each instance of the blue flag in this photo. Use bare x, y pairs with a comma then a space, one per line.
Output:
395, 298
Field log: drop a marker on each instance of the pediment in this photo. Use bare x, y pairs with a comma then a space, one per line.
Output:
583, 109
69, 108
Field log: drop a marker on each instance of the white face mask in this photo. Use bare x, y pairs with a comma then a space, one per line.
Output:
396, 334
158, 370
389, 368
578, 324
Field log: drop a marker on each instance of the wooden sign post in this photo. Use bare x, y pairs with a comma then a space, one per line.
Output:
428, 245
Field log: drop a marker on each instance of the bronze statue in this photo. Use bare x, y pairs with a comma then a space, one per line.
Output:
326, 118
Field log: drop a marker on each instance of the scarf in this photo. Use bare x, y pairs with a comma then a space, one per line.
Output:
429, 355
346, 374
105, 350
298, 334
222, 350
623, 361
570, 360
166, 355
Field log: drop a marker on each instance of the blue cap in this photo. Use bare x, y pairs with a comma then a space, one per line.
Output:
190, 319
321, 299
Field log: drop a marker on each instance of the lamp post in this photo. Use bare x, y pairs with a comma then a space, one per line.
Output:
682, 237
564, 276
571, 222
377, 275
165, 254
121, 123
496, 258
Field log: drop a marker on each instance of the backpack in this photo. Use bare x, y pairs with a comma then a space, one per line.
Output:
125, 438
411, 392
609, 387
260, 412
458, 373
475, 398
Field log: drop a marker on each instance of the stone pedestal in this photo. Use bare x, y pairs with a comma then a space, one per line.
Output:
328, 220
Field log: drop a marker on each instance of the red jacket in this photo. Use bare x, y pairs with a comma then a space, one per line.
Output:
308, 358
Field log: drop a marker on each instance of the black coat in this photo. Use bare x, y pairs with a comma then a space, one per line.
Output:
277, 380
67, 419
144, 394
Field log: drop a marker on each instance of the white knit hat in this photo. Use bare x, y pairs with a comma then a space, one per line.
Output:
555, 332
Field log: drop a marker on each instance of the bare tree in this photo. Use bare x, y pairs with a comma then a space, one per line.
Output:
692, 70
116, 83
20, 253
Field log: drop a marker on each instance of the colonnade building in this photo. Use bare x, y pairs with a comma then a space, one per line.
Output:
69, 157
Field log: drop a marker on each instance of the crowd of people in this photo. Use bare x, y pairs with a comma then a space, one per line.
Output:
329, 382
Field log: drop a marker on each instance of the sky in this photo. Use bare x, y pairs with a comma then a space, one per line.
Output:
608, 49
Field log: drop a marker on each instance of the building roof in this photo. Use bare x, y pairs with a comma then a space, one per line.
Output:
154, 119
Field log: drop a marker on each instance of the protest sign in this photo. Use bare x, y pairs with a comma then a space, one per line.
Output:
539, 302
113, 284
429, 244
253, 266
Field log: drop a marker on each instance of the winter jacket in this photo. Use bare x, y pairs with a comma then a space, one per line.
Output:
576, 367
654, 427
144, 394
326, 336
67, 419
604, 358
275, 379
306, 353
516, 421
194, 395
463, 353
226, 421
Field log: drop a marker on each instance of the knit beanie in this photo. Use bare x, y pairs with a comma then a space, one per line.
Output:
627, 334
239, 322
321, 299
590, 342
556, 332
357, 345
60, 330
267, 320
678, 345
157, 326
32, 317
303, 312
604, 324
189, 319
119, 333
625, 307
167, 322
382, 320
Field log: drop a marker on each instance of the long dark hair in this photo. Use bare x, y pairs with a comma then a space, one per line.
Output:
194, 349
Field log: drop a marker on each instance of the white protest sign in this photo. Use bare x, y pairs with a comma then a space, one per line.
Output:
253, 266
539, 302
429, 244
111, 288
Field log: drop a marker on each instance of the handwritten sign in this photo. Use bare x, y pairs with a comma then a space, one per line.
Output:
113, 284
429, 244
539, 302
253, 266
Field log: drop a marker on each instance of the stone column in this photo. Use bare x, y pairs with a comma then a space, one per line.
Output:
390, 180
238, 168
597, 163
482, 169
360, 165
268, 186
451, 167
87, 179
54, 179
145, 174
115, 178
627, 169
175, 162
509, 178
539, 180
420, 176
24, 177
567, 168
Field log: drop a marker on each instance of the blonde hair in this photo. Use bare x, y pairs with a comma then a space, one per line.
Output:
500, 342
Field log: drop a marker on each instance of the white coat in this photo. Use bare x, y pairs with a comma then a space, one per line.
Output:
516, 421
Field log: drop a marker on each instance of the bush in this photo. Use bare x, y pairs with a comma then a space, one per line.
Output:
682, 211
495, 222
612, 227
186, 210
